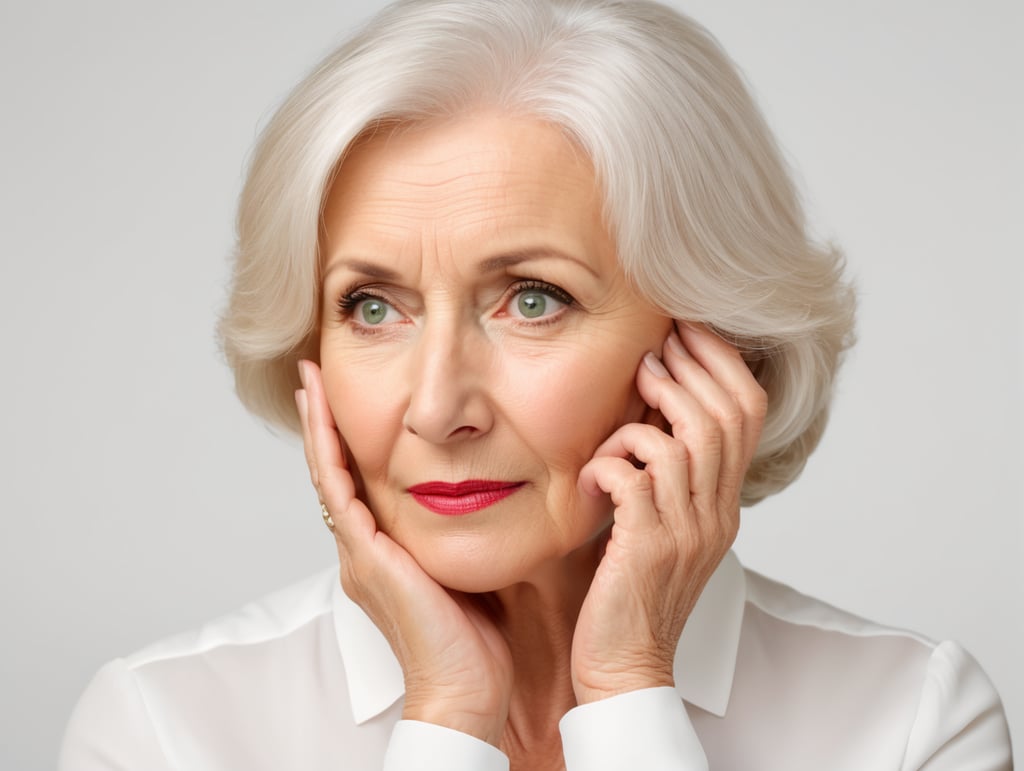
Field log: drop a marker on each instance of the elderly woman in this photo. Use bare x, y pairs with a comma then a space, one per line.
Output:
532, 282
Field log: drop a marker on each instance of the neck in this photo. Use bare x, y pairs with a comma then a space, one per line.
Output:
538, 618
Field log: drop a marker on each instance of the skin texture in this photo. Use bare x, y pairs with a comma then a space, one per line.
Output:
450, 352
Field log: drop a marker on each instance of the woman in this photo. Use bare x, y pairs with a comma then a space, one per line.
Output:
539, 286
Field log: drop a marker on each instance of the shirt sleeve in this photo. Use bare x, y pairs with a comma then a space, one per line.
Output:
419, 746
645, 729
960, 724
109, 729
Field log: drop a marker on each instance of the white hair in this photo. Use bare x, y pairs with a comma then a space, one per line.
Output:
707, 221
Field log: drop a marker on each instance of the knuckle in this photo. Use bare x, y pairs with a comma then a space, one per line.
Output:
675, 452
638, 483
756, 401
314, 473
350, 580
708, 436
731, 529
731, 417
307, 451
725, 527
729, 482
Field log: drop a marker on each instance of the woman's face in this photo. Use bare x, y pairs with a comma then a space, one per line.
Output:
477, 329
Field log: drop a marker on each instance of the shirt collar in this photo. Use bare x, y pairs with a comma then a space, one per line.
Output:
706, 654
704, 664
374, 676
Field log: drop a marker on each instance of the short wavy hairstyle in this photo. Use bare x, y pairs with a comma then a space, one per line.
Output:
697, 196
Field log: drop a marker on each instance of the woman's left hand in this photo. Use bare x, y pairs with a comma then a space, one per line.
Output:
674, 519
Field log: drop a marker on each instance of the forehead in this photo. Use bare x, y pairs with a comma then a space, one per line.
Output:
484, 175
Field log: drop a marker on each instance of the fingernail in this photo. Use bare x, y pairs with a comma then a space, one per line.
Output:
589, 486
654, 365
302, 371
301, 402
676, 345
698, 328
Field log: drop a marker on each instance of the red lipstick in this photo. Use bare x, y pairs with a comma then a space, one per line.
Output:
462, 497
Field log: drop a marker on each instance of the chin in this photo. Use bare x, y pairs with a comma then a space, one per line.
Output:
482, 584
480, 565
473, 571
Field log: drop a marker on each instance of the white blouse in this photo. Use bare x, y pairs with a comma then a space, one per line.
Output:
766, 678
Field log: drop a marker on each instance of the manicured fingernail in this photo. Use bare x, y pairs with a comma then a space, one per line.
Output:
300, 402
677, 345
302, 372
655, 365
694, 329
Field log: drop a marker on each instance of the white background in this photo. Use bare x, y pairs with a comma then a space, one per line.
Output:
139, 499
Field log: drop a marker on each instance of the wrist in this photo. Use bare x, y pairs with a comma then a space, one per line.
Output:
595, 686
474, 719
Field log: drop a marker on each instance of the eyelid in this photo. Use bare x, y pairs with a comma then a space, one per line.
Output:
527, 284
354, 296
543, 287
350, 299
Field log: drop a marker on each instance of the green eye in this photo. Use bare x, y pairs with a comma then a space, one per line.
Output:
373, 311
538, 301
532, 304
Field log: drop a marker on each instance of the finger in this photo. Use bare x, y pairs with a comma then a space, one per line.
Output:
630, 488
726, 366
665, 461
318, 412
302, 405
720, 405
691, 425
353, 521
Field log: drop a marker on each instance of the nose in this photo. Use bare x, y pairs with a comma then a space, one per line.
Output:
448, 399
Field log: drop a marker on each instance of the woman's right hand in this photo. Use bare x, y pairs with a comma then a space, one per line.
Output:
457, 665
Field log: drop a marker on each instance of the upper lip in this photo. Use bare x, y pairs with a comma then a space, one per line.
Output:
467, 487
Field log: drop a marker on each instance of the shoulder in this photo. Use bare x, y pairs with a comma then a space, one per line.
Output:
930, 699
803, 614
276, 616
202, 688
792, 643
797, 633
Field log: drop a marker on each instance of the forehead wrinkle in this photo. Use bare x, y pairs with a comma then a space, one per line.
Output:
463, 223
449, 201
461, 178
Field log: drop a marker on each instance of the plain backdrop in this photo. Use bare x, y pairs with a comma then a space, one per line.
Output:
139, 499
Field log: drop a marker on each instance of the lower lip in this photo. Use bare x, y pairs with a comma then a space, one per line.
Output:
454, 505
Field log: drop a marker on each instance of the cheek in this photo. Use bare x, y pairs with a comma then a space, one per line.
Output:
568, 405
365, 415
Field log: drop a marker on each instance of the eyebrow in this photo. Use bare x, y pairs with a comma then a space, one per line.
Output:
365, 267
503, 261
490, 265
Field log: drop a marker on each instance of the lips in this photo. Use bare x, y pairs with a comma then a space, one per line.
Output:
462, 497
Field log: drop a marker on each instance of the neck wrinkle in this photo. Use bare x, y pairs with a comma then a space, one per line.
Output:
538, 620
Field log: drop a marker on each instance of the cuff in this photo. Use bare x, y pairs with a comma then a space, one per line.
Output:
646, 729
418, 746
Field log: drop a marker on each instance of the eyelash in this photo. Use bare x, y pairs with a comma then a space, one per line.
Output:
527, 285
351, 298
